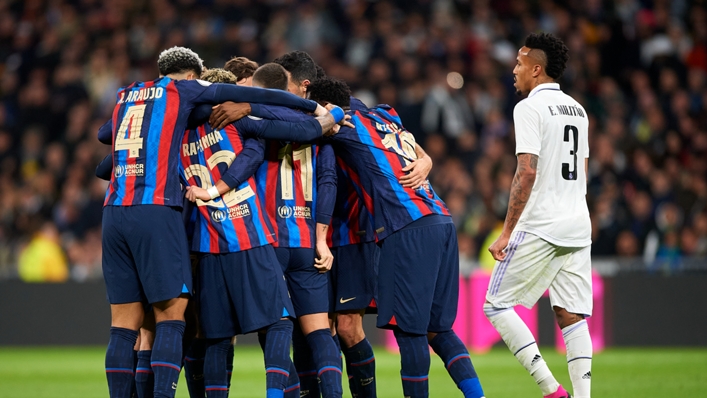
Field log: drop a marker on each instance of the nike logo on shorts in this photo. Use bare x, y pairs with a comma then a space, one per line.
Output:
342, 301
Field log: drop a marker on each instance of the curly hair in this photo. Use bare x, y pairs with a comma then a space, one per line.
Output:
300, 65
330, 90
179, 60
218, 75
556, 52
242, 67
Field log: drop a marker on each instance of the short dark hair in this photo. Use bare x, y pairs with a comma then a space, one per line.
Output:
300, 65
556, 52
331, 90
218, 75
179, 60
241, 67
271, 75
320, 72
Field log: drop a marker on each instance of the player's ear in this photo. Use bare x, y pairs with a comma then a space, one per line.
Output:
537, 70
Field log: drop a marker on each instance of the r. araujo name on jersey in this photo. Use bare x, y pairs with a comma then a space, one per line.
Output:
552, 125
374, 154
235, 221
287, 183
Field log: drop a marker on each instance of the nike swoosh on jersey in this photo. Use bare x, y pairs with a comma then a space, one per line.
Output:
342, 301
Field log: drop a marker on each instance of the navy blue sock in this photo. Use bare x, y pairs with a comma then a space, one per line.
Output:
167, 357
277, 358
414, 363
361, 367
229, 362
144, 378
194, 367
338, 350
133, 390
292, 389
327, 360
304, 363
120, 359
215, 371
458, 363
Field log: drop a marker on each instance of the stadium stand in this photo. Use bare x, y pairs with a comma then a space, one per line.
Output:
639, 68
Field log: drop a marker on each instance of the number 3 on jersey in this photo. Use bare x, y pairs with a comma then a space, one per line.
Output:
303, 155
567, 174
128, 135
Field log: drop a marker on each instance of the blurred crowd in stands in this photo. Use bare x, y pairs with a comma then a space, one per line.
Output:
638, 66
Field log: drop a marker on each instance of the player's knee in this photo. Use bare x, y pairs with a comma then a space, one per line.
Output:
565, 318
349, 327
490, 311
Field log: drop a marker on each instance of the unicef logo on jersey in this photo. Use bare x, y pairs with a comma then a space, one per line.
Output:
285, 211
218, 215
119, 171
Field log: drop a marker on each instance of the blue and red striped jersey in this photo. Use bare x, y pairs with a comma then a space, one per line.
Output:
351, 222
373, 156
236, 221
148, 124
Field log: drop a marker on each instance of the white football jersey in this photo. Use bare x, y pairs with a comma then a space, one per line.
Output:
552, 125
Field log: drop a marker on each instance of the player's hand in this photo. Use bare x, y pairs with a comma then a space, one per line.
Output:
320, 111
324, 258
498, 248
224, 114
333, 131
194, 193
417, 172
345, 121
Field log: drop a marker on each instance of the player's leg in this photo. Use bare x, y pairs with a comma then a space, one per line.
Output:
144, 377
126, 297
443, 340
360, 360
194, 343
571, 299
523, 277
167, 352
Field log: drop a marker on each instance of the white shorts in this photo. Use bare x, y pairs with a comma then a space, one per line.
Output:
533, 265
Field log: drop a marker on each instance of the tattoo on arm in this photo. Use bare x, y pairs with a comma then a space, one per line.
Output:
521, 187
327, 122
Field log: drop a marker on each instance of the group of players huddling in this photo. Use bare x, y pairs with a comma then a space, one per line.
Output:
302, 209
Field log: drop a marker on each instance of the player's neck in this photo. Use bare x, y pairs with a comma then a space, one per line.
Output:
542, 80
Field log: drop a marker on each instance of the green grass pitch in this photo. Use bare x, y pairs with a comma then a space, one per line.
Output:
68, 372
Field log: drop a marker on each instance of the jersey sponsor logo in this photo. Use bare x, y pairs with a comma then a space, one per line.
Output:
232, 213
205, 141
344, 301
143, 94
130, 170
218, 215
294, 211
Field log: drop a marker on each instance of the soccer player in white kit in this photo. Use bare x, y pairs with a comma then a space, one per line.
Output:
546, 237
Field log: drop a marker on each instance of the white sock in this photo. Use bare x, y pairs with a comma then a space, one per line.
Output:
520, 341
579, 357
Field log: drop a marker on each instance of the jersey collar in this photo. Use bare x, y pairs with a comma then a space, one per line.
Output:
544, 86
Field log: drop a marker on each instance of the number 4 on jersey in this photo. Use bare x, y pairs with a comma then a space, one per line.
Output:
128, 135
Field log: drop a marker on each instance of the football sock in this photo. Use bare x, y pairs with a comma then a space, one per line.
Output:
304, 363
194, 367
133, 389
167, 357
361, 368
292, 389
520, 341
327, 361
215, 372
579, 357
144, 378
277, 358
458, 363
338, 350
229, 362
414, 363
120, 361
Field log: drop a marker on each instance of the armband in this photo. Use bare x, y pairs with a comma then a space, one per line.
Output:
338, 114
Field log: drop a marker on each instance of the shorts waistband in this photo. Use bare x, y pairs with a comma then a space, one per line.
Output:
432, 219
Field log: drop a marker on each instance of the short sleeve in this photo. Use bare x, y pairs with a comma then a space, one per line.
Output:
527, 127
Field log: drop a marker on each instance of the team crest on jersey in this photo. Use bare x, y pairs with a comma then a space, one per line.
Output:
219, 215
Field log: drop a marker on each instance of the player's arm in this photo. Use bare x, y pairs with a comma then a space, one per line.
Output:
295, 126
105, 168
242, 168
218, 93
105, 133
527, 125
418, 170
326, 198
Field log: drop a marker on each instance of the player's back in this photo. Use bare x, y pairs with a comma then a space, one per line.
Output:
554, 126
236, 220
149, 120
350, 221
375, 152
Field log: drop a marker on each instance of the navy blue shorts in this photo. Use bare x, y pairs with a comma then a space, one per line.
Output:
353, 276
418, 277
308, 288
145, 254
240, 292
